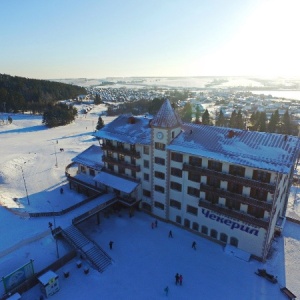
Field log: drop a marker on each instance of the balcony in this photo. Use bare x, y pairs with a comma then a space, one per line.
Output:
228, 177
234, 214
121, 150
121, 163
237, 197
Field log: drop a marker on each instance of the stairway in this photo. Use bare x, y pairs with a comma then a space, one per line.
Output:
98, 258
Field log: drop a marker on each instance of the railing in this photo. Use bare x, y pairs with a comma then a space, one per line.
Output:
228, 177
240, 198
121, 163
121, 150
234, 214
84, 183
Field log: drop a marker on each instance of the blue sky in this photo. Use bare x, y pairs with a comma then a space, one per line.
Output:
115, 38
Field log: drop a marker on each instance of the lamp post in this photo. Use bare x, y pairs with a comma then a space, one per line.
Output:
51, 226
56, 164
25, 186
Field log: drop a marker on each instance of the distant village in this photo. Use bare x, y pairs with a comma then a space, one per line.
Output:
212, 100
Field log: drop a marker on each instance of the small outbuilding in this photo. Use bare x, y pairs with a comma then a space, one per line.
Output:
49, 283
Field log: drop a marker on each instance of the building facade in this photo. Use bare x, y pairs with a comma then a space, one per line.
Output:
228, 185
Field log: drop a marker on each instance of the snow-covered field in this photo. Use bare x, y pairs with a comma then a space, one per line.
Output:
145, 259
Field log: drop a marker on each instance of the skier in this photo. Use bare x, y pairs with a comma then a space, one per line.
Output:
155, 223
166, 290
194, 245
180, 279
176, 278
110, 245
170, 234
61, 190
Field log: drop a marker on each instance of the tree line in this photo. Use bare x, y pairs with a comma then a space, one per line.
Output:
19, 94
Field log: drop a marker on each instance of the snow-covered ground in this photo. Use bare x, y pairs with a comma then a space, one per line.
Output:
145, 260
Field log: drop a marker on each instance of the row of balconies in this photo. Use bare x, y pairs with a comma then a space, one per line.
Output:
121, 163
234, 214
121, 150
269, 187
237, 197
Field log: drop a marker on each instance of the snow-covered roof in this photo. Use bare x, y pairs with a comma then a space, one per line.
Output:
127, 129
166, 117
268, 151
116, 182
91, 157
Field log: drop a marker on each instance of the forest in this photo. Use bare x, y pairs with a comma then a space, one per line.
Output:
19, 94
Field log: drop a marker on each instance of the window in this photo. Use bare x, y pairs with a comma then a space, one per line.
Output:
146, 193
223, 237
159, 188
160, 146
92, 172
232, 204
193, 191
196, 177
234, 241
204, 229
132, 148
195, 161
173, 134
187, 223
110, 167
211, 197
146, 164
146, 177
133, 173
175, 204
176, 172
261, 176
176, 157
237, 170
215, 165
192, 210
120, 145
235, 188
146, 206
159, 205
257, 212
132, 160
213, 181
82, 169
159, 161
195, 226
214, 233
110, 154
146, 150
175, 186
178, 219
258, 194
121, 170
159, 175
121, 157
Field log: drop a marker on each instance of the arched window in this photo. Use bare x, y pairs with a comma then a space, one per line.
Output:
204, 229
234, 241
187, 223
223, 237
195, 226
214, 233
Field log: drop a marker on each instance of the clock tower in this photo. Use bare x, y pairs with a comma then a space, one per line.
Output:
165, 126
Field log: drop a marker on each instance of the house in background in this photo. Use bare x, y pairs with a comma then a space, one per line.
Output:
228, 185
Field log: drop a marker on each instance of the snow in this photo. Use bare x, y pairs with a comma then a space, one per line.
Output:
145, 260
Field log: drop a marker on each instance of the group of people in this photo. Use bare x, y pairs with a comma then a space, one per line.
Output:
178, 279
154, 224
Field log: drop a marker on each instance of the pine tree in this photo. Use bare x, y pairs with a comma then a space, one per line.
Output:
286, 126
100, 123
232, 121
186, 114
262, 127
206, 118
197, 115
240, 120
221, 121
274, 122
